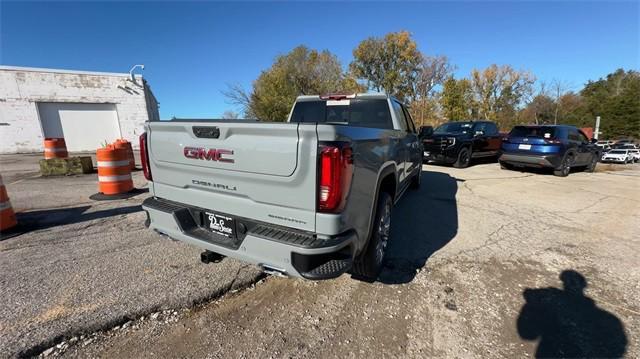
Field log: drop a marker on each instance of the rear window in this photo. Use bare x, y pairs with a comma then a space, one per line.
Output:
525, 131
355, 112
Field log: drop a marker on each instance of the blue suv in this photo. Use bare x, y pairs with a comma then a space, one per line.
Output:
558, 147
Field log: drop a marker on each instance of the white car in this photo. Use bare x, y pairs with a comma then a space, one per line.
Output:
619, 156
635, 155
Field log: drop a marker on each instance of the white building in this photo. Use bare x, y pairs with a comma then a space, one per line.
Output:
87, 109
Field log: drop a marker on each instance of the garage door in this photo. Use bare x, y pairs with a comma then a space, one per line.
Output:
84, 126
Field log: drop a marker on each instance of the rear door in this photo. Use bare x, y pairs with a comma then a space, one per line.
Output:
404, 147
415, 152
584, 147
264, 171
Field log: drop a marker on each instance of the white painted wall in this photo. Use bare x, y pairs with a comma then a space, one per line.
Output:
22, 89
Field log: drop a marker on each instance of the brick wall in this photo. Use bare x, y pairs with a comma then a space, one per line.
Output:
21, 89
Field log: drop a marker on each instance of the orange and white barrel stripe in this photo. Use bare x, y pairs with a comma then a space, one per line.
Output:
55, 148
7, 216
126, 145
114, 170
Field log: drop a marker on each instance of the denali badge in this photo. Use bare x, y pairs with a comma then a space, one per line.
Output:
211, 154
214, 185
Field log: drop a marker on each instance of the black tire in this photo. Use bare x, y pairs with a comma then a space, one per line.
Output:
565, 167
416, 180
464, 158
369, 264
505, 166
592, 165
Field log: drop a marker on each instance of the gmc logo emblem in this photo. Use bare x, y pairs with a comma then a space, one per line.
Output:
211, 154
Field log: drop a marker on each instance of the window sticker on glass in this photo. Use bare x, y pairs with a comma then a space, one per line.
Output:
338, 102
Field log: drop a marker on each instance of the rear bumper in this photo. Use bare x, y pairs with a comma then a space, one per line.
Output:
275, 249
529, 160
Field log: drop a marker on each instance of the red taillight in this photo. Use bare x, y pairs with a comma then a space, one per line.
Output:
334, 179
337, 96
144, 157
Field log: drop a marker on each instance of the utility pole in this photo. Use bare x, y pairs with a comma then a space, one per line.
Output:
597, 131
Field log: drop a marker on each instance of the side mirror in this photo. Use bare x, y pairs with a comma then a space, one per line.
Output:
425, 131
594, 140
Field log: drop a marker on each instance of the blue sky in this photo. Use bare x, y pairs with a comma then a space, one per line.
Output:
192, 50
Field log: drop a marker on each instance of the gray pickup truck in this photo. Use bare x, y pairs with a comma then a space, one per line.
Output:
308, 198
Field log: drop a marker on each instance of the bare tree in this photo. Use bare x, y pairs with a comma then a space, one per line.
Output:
559, 88
431, 72
230, 115
237, 96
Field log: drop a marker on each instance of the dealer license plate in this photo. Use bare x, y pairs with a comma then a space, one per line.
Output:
220, 224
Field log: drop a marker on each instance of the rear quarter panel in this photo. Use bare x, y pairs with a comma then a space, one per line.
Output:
374, 150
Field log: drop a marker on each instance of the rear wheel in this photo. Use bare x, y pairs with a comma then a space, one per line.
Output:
505, 166
369, 264
592, 165
565, 167
464, 158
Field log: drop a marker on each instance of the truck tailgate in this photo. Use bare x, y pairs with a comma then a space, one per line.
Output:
262, 171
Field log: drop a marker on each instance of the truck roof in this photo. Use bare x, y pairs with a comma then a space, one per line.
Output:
368, 95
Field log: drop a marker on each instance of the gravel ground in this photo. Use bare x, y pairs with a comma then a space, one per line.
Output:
84, 266
483, 263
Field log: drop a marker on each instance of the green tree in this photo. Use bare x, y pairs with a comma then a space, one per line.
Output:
616, 99
300, 72
456, 99
388, 64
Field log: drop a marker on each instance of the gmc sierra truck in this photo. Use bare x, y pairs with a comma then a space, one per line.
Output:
311, 197
458, 142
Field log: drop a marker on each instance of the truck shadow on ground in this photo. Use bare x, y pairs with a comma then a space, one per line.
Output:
474, 162
569, 324
423, 222
43, 219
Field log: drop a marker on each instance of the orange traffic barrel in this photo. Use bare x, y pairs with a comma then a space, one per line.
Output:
55, 148
7, 216
114, 170
126, 145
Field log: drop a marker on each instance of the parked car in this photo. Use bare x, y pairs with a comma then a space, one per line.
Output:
618, 156
310, 198
627, 146
458, 142
604, 145
558, 147
635, 155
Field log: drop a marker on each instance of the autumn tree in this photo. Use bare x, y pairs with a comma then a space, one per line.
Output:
456, 99
499, 92
302, 71
388, 64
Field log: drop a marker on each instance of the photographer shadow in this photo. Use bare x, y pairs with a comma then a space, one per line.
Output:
569, 324
422, 222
